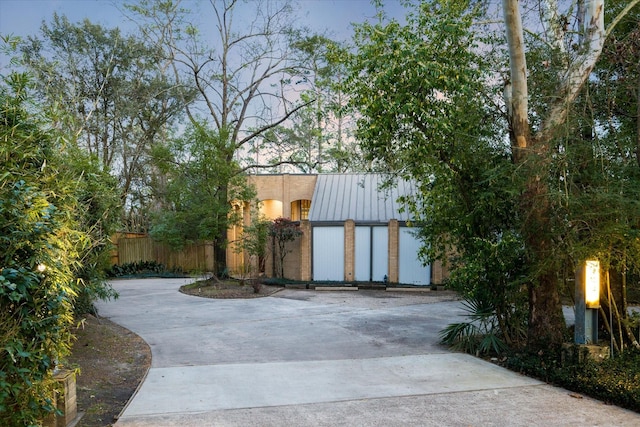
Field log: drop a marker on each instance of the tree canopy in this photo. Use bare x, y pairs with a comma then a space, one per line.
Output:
501, 139
114, 97
519, 121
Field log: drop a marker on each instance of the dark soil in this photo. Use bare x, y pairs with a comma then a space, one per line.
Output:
112, 362
215, 288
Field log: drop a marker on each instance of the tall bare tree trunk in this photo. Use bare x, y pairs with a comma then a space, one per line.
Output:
534, 153
220, 242
516, 89
546, 322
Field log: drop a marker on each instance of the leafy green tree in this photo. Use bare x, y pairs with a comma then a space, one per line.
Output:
40, 247
428, 92
201, 185
57, 209
98, 216
599, 172
318, 137
534, 137
117, 102
428, 114
256, 241
240, 74
253, 242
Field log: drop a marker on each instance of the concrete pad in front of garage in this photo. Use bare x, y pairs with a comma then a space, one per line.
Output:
534, 406
237, 386
306, 358
292, 325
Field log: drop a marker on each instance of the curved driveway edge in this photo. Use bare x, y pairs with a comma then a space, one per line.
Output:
307, 358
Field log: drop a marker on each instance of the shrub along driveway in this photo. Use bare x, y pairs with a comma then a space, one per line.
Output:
314, 358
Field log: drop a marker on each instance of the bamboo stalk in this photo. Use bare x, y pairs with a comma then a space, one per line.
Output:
618, 319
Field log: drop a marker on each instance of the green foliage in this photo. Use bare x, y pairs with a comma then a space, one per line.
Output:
467, 336
100, 209
419, 90
196, 194
596, 175
111, 94
615, 380
39, 250
254, 241
484, 333
425, 98
423, 95
317, 137
202, 180
427, 92
143, 269
602, 188
56, 211
257, 235
491, 277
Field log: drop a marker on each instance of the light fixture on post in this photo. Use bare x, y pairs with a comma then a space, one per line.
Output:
592, 284
587, 302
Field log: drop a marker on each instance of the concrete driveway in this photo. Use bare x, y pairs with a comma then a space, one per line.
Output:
312, 358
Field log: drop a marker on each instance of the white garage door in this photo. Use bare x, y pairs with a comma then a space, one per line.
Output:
380, 253
372, 253
328, 253
412, 272
363, 254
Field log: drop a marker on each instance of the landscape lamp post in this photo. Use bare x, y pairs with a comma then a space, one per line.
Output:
587, 302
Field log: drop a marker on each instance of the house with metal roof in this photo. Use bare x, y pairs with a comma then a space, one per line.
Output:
354, 229
359, 197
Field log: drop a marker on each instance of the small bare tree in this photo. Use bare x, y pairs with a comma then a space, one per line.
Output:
253, 243
283, 231
240, 72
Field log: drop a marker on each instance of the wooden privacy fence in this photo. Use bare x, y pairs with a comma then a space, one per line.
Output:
196, 257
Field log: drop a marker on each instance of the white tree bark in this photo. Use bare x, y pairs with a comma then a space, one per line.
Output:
545, 316
591, 41
590, 44
516, 91
553, 25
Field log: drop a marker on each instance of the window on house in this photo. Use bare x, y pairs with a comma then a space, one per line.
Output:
305, 205
271, 208
300, 209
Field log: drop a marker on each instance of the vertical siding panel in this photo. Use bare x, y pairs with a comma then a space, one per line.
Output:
380, 267
328, 253
363, 254
411, 270
193, 257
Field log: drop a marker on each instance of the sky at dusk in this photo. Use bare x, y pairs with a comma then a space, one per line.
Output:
23, 17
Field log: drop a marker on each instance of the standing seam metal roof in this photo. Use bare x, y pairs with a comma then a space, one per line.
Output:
338, 197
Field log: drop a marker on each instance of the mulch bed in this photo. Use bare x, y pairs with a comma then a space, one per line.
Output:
112, 362
215, 288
